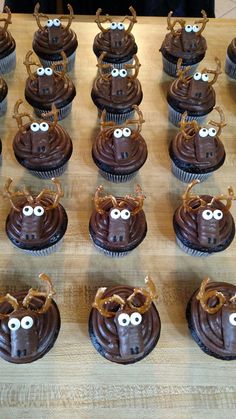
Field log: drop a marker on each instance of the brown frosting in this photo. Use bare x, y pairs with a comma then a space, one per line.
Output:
102, 42
7, 43
124, 344
189, 50
3, 89
231, 50
68, 42
215, 333
49, 151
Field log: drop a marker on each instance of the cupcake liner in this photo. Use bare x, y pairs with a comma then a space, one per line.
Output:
117, 118
117, 178
230, 68
42, 252
63, 112
8, 63
3, 106
187, 177
175, 117
171, 68
189, 251
48, 174
117, 65
70, 60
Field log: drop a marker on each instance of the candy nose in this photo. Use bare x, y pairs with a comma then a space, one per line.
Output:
134, 350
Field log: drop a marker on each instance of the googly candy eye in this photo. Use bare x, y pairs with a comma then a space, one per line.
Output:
115, 214
196, 28
207, 214
27, 322
125, 214
114, 25
48, 71
118, 133
40, 71
28, 210
120, 26
188, 28
197, 76
126, 132
14, 324
49, 23
135, 319
56, 22
203, 132
38, 211
232, 319
205, 77
115, 72
212, 132
34, 127
44, 126
123, 73
218, 214
123, 319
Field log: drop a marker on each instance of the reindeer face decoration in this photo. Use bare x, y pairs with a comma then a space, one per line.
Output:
29, 332
53, 28
210, 214
129, 312
117, 32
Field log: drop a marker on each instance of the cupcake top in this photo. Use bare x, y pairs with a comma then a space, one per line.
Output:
212, 311
197, 148
124, 324
119, 149
53, 38
118, 89
3, 89
29, 324
203, 221
231, 50
194, 94
35, 221
118, 42
185, 41
118, 223
39, 144
48, 85
7, 43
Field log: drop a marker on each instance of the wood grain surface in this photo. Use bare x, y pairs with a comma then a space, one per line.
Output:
177, 380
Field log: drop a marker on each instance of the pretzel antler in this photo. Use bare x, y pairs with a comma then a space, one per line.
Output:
47, 294
216, 72
7, 21
188, 125
220, 124
171, 25
11, 300
17, 194
203, 297
134, 66
18, 116
29, 63
101, 66
98, 200
54, 113
132, 19
182, 72
138, 199
149, 293
202, 21
228, 198
111, 124
100, 302
99, 21
188, 197
57, 195
70, 17
38, 15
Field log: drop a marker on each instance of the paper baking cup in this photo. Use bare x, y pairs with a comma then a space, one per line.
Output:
175, 117
63, 112
230, 68
171, 68
187, 176
8, 63
117, 118
117, 65
43, 252
3, 106
48, 174
117, 178
70, 65
189, 251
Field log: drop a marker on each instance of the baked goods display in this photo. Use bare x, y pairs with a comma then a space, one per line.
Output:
29, 323
7, 45
124, 324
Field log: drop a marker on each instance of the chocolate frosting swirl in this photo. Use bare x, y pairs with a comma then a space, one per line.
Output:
186, 225
59, 150
183, 153
104, 158
178, 98
208, 328
3, 89
99, 228
53, 227
101, 95
7, 43
172, 46
48, 327
68, 43
103, 331
102, 43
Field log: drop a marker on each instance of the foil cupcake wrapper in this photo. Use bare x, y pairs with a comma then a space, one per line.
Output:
117, 65
175, 117
230, 68
43, 252
189, 251
63, 112
117, 118
70, 64
187, 176
171, 68
117, 178
50, 173
3, 106
8, 63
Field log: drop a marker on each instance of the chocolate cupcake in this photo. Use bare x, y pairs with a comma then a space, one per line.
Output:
118, 225
43, 148
185, 42
117, 91
7, 45
193, 94
211, 316
203, 224
36, 223
124, 324
47, 86
29, 324
196, 152
230, 63
53, 38
118, 151
118, 42
3, 96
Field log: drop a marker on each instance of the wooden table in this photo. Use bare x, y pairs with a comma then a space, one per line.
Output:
177, 380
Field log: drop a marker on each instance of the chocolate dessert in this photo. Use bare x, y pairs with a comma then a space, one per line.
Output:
29, 324
7, 45
3, 96
211, 315
230, 64
124, 324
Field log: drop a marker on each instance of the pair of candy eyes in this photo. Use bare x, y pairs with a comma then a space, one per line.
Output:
118, 25
122, 73
124, 319
208, 215
39, 127
26, 323
28, 210
54, 22
124, 214
190, 28
118, 133
44, 71
199, 76
204, 132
